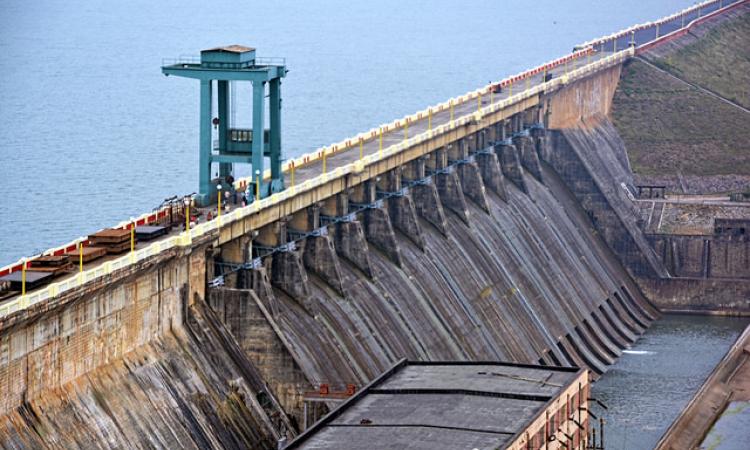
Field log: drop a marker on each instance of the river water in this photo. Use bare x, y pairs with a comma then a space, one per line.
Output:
91, 133
648, 386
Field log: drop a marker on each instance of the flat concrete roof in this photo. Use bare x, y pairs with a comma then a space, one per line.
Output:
235, 48
436, 405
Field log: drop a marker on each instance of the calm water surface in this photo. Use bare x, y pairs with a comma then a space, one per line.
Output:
647, 387
91, 133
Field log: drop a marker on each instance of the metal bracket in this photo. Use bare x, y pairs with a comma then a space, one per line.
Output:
459, 162
388, 194
328, 220
444, 170
363, 206
419, 182
297, 235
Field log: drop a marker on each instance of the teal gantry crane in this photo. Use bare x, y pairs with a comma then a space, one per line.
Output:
236, 145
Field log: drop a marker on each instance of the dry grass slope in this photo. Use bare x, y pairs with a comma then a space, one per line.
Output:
671, 127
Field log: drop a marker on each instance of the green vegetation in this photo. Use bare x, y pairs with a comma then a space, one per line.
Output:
671, 127
719, 61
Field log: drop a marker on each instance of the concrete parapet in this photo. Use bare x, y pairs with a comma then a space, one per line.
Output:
472, 184
489, 167
451, 194
379, 232
319, 256
510, 162
349, 240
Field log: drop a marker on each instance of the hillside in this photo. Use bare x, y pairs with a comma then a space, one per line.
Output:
681, 109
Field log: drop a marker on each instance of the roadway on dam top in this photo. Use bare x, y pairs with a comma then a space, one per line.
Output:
393, 137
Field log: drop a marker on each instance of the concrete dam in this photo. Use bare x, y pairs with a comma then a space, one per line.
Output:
503, 225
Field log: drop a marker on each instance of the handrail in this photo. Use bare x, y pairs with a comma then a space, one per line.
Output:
186, 237
687, 11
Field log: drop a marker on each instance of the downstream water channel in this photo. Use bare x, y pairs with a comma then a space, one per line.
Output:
649, 385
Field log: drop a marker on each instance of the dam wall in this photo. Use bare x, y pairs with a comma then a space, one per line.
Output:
488, 257
139, 362
474, 249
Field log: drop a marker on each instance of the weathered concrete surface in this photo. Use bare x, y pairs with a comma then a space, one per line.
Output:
728, 382
510, 162
246, 317
698, 273
527, 282
703, 256
589, 159
700, 295
591, 97
142, 363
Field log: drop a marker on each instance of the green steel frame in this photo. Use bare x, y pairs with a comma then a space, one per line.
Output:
236, 146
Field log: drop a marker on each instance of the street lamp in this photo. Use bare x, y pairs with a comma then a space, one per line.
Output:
23, 276
257, 184
186, 202
218, 189
132, 235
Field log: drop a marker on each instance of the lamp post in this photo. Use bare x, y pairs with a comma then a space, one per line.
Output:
257, 184
80, 260
186, 202
218, 211
23, 277
132, 235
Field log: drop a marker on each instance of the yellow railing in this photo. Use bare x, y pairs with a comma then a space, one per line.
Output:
186, 238
687, 11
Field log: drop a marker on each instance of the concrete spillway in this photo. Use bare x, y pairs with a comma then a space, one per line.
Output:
527, 280
492, 258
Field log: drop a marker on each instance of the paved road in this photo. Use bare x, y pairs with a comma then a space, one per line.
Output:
344, 157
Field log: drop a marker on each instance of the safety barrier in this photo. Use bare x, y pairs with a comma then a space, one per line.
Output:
186, 238
700, 8
397, 124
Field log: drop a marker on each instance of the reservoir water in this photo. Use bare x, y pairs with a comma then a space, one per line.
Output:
649, 385
91, 133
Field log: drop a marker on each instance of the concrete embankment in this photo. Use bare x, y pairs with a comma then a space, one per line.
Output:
728, 383
136, 365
